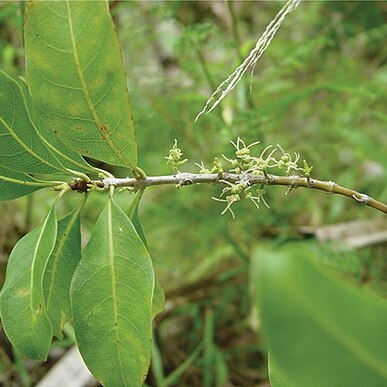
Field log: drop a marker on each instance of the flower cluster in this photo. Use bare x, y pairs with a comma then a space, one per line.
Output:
234, 192
245, 166
244, 163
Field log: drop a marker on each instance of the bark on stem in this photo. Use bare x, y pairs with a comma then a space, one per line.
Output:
183, 179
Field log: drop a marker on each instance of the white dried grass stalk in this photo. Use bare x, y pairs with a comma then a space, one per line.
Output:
263, 42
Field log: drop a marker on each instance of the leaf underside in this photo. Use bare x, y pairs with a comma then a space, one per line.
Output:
21, 149
77, 78
314, 322
16, 184
68, 157
111, 295
22, 301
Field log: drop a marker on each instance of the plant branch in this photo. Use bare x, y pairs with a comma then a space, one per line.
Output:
183, 179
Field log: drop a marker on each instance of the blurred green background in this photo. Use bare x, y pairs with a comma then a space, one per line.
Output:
319, 89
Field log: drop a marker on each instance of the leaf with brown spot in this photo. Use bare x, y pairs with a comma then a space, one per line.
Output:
77, 78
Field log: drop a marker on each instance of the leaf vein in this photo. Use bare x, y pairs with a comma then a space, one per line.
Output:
87, 93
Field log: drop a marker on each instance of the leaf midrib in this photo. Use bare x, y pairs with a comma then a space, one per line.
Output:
113, 286
33, 266
43, 139
25, 182
25, 147
60, 249
86, 90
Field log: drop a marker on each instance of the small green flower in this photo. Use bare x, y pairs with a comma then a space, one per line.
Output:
202, 168
217, 166
307, 170
234, 188
256, 200
261, 164
242, 150
230, 200
287, 162
174, 157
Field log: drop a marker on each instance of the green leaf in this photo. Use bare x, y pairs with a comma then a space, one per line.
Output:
22, 302
132, 212
62, 152
321, 330
21, 149
111, 295
158, 301
77, 78
276, 380
60, 269
16, 184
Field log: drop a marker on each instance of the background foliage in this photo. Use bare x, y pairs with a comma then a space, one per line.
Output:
319, 90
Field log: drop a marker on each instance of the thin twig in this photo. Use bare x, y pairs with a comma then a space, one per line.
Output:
183, 179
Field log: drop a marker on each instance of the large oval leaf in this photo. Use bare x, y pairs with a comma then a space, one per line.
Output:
111, 295
21, 149
60, 269
77, 78
22, 302
321, 331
